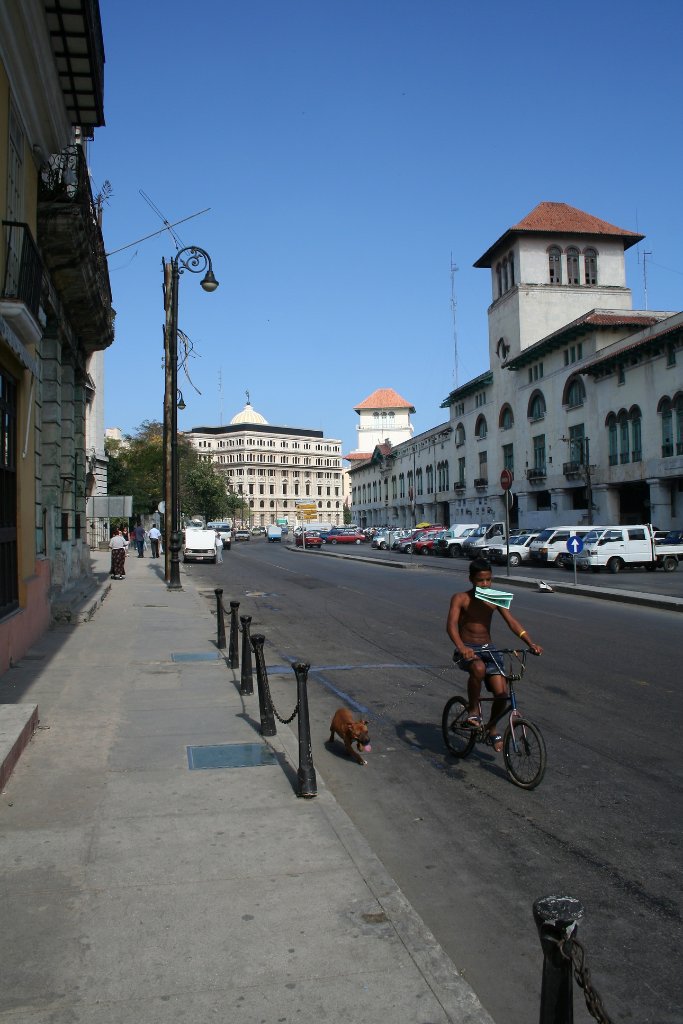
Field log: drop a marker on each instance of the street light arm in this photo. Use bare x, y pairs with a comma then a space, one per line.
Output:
197, 261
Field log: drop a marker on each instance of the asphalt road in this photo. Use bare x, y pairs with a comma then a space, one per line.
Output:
470, 850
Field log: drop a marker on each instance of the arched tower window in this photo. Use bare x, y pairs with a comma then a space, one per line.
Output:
590, 265
573, 266
554, 265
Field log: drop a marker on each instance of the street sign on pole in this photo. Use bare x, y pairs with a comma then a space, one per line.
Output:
574, 547
506, 479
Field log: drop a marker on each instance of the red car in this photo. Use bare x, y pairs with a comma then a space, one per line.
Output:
344, 537
424, 545
313, 540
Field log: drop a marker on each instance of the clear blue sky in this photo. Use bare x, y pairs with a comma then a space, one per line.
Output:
347, 150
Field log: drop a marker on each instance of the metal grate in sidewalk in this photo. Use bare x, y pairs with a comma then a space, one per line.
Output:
230, 755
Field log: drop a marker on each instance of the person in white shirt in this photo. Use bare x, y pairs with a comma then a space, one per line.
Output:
118, 546
154, 538
219, 548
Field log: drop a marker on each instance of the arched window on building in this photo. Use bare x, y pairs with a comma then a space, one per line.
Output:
554, 265
678, 409
612, 439
573, 265
459, 435
418, 481
481, 429
506, 420
499, 280
575, 393
624, 447
430, 479
590, 266
536, 406
665, 411
511, 265
401, 486
636, 434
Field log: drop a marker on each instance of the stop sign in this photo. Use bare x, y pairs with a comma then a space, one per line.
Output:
506, 479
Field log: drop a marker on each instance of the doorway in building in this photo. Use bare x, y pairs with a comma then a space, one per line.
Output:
634, 503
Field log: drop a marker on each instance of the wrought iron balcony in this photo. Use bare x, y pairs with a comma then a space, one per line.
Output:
71, 244
571, 468
481, 481
21, 290
459, 485
536, 473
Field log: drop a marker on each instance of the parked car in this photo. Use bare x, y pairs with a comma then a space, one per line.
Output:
520, 550
310, 539
199, 545
225, 531
407, 544
258, 531
241, 534
339, 536
424, 545
274, 534
384, 539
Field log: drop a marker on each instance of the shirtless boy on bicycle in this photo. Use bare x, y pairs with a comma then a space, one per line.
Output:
469, 627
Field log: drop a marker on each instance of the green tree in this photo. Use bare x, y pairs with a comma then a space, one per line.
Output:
237, 507
202, 492
136, 467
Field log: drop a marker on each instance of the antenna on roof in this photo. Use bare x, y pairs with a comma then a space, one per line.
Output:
220, 395
454, 309
646, 253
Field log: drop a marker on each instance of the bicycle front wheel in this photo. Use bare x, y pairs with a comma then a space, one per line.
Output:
524, 753
458, 737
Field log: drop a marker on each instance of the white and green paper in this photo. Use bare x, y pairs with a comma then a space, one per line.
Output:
498, 598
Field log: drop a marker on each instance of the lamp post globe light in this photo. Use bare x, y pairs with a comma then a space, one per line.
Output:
197, 261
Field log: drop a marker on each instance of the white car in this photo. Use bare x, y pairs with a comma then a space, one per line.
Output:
519, 550
225, 531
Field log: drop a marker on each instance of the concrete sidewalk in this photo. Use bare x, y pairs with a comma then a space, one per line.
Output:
137, 889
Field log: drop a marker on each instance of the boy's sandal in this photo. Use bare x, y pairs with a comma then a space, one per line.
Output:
473, 721
494, 740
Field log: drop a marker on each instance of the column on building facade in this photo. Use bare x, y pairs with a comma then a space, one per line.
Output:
560, 503
606, 500
660, 502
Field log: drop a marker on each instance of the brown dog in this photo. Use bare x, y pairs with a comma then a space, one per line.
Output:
350, 731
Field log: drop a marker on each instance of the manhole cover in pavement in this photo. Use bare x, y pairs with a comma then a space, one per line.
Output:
230, 755
203, 656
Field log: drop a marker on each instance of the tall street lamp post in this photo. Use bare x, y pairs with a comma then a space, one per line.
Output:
197, 261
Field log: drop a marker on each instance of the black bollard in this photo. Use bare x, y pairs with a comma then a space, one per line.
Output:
306, 773
233, 649
247, 679
556, 918
220, 620
265, 706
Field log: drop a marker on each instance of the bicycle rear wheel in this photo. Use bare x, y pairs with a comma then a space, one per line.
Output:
524, 753
458, 737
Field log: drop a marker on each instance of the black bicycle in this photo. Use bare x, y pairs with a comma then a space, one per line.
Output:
524, 752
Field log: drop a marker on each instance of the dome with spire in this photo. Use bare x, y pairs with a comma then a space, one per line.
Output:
248, 415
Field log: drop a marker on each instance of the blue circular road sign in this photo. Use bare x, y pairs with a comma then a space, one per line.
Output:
574, 545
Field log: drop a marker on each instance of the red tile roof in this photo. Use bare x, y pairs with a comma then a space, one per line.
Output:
384, 398
560, 218
358, 457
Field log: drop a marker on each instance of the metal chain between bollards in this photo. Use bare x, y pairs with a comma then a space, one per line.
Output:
572, 950
269, 698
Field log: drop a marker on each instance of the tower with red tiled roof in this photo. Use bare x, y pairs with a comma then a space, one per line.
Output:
553, 266
383, 415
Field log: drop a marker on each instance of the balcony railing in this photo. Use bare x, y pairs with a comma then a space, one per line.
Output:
536, 473
571, 468
481, 481
636, 456
667, 449
23, 267
459, 485
72, 247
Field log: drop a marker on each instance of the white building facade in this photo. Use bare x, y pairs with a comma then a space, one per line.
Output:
582, 401
275, 468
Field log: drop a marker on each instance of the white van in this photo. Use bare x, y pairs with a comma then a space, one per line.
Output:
274, 534
551, 544
614, 547
199, 545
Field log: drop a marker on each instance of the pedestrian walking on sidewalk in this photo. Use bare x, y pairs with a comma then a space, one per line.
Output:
219, 548
154, 538
139, 535
118, 545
